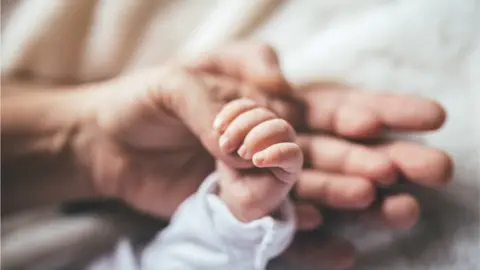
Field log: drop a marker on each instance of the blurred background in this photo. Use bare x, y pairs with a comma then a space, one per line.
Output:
426, 47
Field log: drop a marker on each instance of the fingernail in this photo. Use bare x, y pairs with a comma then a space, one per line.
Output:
258, 160
218, 124
224, 144
242, 151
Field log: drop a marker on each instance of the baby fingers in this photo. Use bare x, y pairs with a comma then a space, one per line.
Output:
287, 156
264, 135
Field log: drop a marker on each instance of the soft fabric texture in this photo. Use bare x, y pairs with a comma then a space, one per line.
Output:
204, 235
427, 47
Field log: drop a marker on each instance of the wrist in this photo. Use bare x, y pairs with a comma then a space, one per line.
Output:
243, 209
38, 161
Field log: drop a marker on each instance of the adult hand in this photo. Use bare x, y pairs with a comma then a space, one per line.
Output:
344, 174
148, 138
147, 151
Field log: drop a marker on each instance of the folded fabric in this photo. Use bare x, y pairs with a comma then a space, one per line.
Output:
203, 234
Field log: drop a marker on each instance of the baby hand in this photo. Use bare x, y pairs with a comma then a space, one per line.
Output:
256, 134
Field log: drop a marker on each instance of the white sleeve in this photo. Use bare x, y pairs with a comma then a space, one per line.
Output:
204, 235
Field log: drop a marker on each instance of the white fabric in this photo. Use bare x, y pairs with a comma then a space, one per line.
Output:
204, 235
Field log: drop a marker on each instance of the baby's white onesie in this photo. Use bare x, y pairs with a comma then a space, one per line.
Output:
204, 235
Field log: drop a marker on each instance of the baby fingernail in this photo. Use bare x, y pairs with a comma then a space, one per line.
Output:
224, 143
218, 124
242, 151
258, 160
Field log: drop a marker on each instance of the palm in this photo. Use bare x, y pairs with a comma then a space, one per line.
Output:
149, 158
157, 180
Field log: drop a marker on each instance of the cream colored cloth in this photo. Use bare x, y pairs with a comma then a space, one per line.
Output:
429, 47
93, 39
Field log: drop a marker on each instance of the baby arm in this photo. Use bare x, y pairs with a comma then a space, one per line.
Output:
228, 223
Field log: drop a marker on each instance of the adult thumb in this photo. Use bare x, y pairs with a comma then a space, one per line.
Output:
198, 99
253, 63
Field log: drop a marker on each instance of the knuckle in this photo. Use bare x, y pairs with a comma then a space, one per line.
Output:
240, 103
249, 120
231, 133
264, 112
283, 127
299, 156
296, 155
281, 153
265, 47
361, 194
256, 117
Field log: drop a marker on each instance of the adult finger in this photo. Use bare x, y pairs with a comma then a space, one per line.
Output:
400, 211
257, 67
255, 63
397, 211
420, 164
200, 95
361, 114
335, 190
308, 216
327, 153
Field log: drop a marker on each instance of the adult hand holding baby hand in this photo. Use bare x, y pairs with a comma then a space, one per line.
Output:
150, 140
156, 141
147, 138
